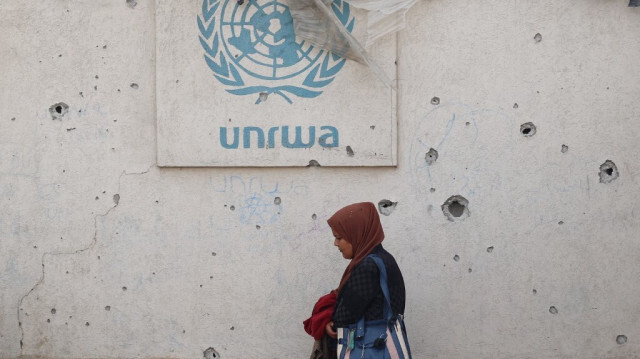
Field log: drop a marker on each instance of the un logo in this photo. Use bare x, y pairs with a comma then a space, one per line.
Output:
252, 49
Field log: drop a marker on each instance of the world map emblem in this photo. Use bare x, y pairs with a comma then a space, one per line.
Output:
251, 48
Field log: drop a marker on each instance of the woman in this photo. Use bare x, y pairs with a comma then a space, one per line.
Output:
358, 234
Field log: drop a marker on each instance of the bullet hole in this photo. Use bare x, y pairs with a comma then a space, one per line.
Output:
86, 324
386, 207
200, 285
131, 3
232, 207
535, 291
70, 129
124, 289
372, 127
263, 96
528, 129
95, 87
277, 201
564, 149
314, 217
621, 339
107, 308
58, 110
435, 101
116, 199
258, 227
350, 151
456, 208
490, 249
470, 270
456, 258
211, 353
232, 328
53, 310
561, 222
538, 37
97, 77
608, 171
48, 320
210, 277
314, 163
214, 254
467, 123
515, 105
134, 85
553, 310
13, 118
431, 157
432, 190
240, 2
97, 198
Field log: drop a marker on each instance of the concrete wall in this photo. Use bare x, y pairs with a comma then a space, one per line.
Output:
103, 254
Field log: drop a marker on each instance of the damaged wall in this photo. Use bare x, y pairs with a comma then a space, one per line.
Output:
513, 210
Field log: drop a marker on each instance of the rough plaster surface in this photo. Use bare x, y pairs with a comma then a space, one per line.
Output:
183, 260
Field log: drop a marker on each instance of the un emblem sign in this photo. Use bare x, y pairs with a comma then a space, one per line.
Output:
252, 49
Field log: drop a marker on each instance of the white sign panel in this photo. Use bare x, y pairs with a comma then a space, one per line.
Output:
235, 87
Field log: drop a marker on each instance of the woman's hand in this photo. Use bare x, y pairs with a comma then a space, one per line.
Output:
330, 331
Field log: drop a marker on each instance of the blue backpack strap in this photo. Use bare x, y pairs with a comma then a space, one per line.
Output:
387, 312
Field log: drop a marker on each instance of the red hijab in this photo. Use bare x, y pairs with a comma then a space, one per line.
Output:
359, 224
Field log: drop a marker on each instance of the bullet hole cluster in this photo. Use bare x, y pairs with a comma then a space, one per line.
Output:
58, 110
386, 207
431, 157
608, 172
528, 129
456, 208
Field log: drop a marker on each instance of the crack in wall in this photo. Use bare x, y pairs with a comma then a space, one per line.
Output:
89, 247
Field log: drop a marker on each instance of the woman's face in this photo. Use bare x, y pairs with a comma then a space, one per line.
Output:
343, 246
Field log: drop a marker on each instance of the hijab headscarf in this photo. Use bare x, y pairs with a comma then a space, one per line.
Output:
359, 224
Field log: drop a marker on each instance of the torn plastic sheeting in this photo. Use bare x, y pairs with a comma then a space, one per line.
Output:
384, 17
315, 22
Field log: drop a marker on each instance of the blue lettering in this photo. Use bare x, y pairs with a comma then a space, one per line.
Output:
333, 133
329, 138
298, 141
224, 140
246, 136
272, 137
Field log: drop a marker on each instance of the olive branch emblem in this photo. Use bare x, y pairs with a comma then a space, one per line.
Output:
228, 73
